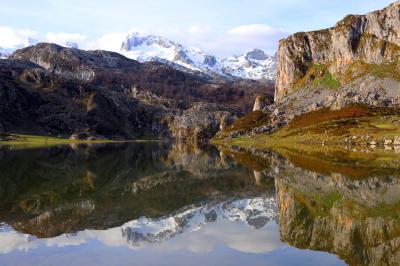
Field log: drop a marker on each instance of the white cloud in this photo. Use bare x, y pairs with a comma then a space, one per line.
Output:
62, 38
230, 42
110, 41
248, 37
235, 235
11, 38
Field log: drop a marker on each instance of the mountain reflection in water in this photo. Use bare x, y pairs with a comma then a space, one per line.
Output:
92, 204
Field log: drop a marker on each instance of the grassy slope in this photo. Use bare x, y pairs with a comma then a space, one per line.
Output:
358, 125
28, 141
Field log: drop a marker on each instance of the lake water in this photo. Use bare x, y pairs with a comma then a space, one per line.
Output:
174, 204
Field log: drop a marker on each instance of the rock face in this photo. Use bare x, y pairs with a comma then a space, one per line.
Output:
50, 89
369, 39
202, 121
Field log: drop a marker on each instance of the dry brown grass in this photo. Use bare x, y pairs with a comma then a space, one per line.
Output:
325, 115
249, 121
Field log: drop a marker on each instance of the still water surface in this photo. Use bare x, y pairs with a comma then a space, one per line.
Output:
174, 204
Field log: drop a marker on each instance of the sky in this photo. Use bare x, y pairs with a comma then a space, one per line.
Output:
220, 27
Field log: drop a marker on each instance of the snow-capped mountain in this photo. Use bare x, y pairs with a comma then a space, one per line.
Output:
254, 64
157, 48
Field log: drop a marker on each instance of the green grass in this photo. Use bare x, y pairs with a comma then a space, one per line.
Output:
327, 81
360, 69
28, 141
318, 75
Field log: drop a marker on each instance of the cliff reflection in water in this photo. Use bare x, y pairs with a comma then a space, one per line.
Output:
347, 204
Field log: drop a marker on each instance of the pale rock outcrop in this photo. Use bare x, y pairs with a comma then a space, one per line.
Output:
371, 38
260, 103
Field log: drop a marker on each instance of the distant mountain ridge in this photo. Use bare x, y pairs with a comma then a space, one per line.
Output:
254, 64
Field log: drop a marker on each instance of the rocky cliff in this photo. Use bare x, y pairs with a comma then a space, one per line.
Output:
355, 46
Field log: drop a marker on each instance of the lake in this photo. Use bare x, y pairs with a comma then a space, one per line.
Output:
162, 203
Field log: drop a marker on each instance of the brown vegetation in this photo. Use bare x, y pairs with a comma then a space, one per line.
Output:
249, 121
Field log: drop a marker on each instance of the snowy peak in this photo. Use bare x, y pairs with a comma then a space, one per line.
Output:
256, 54
254, 64
157, 48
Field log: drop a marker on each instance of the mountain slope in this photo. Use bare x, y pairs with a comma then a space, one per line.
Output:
254, 64
154, 48
50, 89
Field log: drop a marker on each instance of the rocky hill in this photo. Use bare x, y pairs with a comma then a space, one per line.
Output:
356, 62
50, 89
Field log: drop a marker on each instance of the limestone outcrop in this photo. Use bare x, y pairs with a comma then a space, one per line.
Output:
341, 52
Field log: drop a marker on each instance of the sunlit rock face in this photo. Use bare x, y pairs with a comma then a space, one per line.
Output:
372, 39
354, 62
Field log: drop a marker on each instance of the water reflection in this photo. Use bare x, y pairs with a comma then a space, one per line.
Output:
255, 213
198, 206
57, 190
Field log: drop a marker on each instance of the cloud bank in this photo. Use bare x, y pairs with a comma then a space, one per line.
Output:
234, 41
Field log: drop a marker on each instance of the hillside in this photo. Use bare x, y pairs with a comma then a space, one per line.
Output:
52, 90
347, 75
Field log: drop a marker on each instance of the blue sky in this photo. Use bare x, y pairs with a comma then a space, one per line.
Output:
218, 26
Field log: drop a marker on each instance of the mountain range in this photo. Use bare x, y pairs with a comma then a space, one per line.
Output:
254, 64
